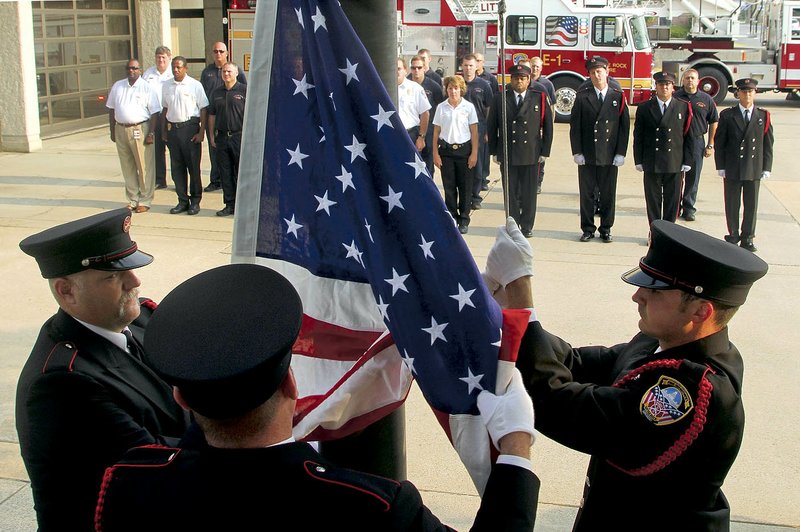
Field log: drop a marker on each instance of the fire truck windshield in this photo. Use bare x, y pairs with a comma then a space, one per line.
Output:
639, 33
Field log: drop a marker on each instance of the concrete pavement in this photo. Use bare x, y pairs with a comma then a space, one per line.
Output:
577, 289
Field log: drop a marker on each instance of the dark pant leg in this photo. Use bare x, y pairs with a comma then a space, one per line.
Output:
652, 196
483, 156
179, 161
478, 170
464, 186
212, 157
587, 181
540, 177
750, 199
671, 186
607, 184
228, 164
733, 201
692, 177
526, 188
161, 155
195, 180
427, 152
448, 171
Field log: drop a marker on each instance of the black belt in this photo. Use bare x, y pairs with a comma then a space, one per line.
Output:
132, 125
452, 146
229, 133
179, 125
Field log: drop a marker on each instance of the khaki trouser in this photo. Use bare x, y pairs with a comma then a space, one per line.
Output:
138, 163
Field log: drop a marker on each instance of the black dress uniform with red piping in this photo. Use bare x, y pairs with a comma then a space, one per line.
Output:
663, 427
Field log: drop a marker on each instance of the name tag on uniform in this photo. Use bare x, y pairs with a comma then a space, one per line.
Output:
137, 134
169, 126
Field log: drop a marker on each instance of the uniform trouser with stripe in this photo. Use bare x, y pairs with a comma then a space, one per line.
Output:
137, 161
662, 195
457, 181
228, 150
184, 159
692, 177
522, 196
735, 192
604, 179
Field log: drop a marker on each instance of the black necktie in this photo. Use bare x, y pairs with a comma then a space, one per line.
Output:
600, 97
133, 347
519, 100
747, 116
663, 108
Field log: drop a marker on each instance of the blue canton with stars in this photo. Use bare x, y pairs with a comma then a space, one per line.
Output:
346, 196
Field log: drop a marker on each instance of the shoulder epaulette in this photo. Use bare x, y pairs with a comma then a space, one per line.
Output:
379, 490
61, 357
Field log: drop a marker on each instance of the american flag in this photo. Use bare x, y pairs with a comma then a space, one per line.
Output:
561, 31
333, 194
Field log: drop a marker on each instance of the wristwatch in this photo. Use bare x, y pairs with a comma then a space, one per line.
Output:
710, 147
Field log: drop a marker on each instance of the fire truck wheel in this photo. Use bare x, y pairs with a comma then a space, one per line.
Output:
566, 90
713, 82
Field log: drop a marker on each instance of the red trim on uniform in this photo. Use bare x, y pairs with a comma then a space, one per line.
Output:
690, 434
624, 103
768, 121
310, 466
50, 354
688, 120
149, 303
652, 272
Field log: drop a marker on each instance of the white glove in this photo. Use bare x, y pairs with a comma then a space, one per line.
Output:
511, 256
509, 412
619, 160
490, 283
579, 159
542, 158
721, 173
639, 168
685, 168
765, 174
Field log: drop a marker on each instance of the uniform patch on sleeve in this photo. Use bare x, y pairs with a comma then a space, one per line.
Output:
666, 402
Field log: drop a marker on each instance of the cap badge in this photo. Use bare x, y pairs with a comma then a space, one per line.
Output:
126, 224
666, 402
698, 289
85, 262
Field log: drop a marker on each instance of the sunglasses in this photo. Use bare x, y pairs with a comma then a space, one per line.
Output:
132, 68
416, 68
220, 51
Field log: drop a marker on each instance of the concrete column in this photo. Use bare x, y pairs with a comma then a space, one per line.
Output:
153, 22
19, 115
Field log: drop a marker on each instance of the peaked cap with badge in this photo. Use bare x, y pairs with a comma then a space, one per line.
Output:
98, 242
595, 62
664, 77
679, 257
519, 70
746, 84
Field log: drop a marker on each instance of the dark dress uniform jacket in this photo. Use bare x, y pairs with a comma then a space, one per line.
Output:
744, 150
663, 428
530, 127
599, 132
81, 403
254, 489
661, 142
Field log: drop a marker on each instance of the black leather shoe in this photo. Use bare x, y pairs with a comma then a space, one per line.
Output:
212, 187
748, 245
606, 237
227, 211
161, 186
485, 186
732, 239
179, 208
689, 217
463, 229
476, 206
194, 209
586, 236
527, 233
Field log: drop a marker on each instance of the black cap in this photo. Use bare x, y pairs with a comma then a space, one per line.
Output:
224, 338
684, 259
596, 61
99, 242
746, 83
664, 77
520, 70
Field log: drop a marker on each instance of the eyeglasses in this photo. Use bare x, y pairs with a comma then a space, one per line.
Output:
416, 68
132, 68
219, 51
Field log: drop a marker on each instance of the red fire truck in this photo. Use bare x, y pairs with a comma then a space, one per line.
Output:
565, 33
771, 54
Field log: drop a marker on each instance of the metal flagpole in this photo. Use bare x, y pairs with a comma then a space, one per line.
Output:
501, 35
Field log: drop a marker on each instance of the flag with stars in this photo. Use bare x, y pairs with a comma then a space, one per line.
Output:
333, 194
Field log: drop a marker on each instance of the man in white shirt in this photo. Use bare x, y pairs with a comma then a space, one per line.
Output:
156, 76
412, 106
133, 110
185, 105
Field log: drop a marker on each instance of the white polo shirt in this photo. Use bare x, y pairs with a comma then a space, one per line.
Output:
455, 121
132, 103
411, 102
157, 79
183, 99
